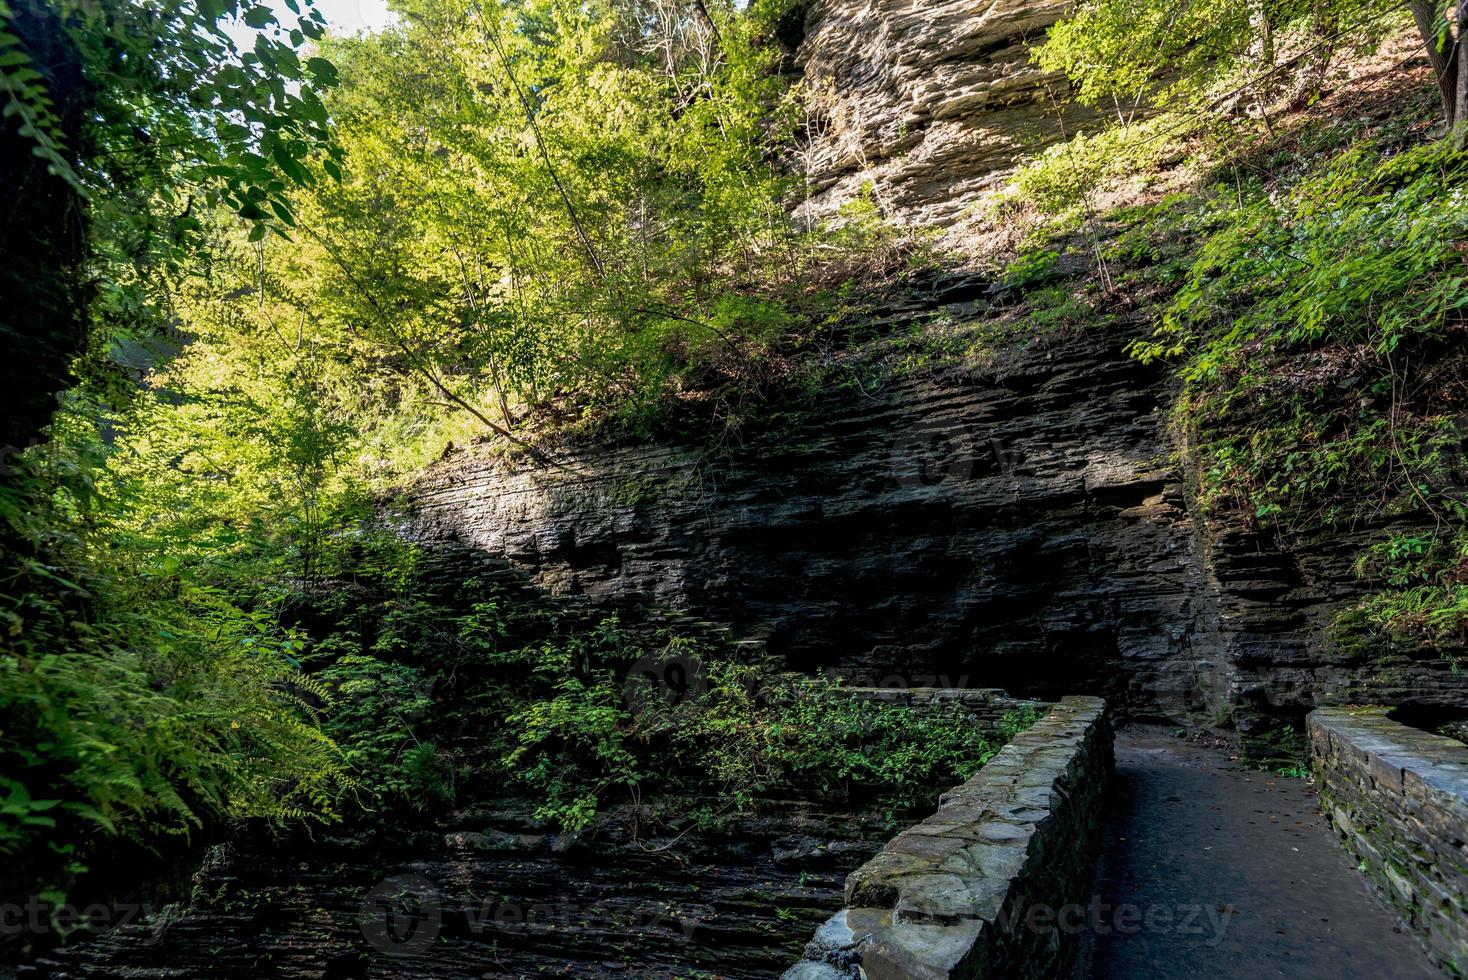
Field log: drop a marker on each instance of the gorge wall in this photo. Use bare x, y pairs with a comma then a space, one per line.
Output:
1022, 532
927, 104
1027, 528
1026, 523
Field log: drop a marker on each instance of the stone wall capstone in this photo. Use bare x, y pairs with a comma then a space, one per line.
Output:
956, 896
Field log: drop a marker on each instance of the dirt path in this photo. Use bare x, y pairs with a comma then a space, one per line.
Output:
1211, 870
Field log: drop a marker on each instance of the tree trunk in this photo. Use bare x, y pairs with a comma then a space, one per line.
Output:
1310, 82
1261, 43
1458, 121
45, 290
1442, 54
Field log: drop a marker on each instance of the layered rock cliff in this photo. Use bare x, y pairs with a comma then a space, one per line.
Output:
1028, 526
1026, 523
1020, 528
487, 893
927, 104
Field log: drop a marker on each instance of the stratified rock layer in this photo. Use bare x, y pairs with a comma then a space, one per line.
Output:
487, 894
1024, 526
927, 103
1021, 530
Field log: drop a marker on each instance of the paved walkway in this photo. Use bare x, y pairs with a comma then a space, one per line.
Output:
1215, 871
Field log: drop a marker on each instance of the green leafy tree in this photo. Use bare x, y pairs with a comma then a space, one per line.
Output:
1131, 55
125, 124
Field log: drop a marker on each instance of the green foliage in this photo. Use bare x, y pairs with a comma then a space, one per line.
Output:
572, 745
380, 713
756, 733
1032, 268
575, 214
26, 99
577, 204
179, 107
1117, 49
574, 749
1296, 316
1365, 251
1163, 75
1061, 178
150, 122
138, 698
1316, 322
1434, 614
742, 734
1129, 53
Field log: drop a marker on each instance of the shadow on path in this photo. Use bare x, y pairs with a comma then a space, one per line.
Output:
1212, 870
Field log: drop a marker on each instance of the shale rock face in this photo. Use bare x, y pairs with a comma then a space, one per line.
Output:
930, 102
1021, 529
1277, 612
1025, 527
490, 894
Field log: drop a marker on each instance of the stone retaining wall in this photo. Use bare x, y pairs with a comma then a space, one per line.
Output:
1398, 798
975, 889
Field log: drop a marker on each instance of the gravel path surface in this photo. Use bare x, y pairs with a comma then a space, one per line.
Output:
1212, 870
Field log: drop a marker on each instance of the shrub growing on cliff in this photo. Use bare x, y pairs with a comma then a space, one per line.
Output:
1130, 56
139, 698
1365, 250
1320, 327
1301, 314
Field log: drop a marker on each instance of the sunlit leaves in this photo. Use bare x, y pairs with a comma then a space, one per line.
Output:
1126, 53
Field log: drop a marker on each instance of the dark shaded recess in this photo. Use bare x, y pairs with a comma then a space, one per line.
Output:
43, 299
43, 241
790, 28
1433, 718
